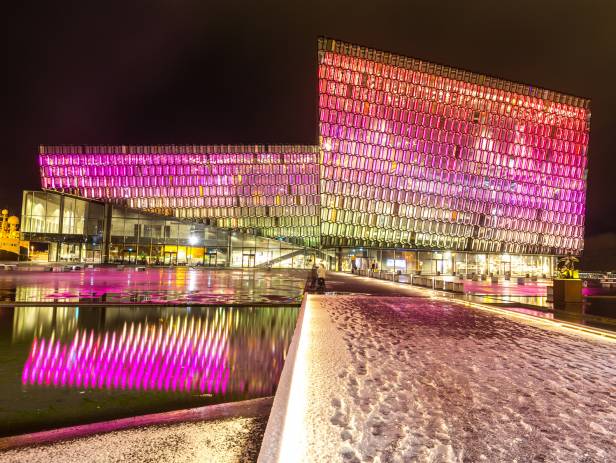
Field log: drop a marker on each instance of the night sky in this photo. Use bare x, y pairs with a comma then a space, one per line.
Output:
199, 72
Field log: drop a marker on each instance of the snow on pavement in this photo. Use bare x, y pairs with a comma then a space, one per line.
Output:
415, 379
230, 440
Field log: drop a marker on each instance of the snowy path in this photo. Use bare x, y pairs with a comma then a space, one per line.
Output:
414, 379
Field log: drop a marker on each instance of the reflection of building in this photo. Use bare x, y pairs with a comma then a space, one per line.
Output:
183, 355
212, 350
418, 166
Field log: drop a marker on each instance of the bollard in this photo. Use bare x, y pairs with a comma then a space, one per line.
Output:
458, 287
549, 293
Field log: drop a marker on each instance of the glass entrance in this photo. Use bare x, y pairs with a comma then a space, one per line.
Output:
506, 267
129, 256
209, 260
248, 260
170, 258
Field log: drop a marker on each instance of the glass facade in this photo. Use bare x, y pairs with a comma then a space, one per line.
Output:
410, 261
415, 161
273, 189
70, 229
422, 155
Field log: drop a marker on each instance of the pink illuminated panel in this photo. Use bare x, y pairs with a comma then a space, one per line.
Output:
421, 155
184, 355
270, 188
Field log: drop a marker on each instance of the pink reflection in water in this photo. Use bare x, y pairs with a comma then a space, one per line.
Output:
183, 355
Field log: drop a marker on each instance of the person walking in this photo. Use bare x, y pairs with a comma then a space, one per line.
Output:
321, 276
313, 276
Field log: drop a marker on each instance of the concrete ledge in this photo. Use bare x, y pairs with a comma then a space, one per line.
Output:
273, 437
145, 304
246, 408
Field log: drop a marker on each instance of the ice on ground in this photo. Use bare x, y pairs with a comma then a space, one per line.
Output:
425, 380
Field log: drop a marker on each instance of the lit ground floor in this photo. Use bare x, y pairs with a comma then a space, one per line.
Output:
242, 255
61, 228
394, 374
425, 262
249, 252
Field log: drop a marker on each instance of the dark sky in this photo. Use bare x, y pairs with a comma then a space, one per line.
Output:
180, 71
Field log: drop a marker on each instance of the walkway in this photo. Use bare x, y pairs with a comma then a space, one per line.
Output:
409, 377
600, 313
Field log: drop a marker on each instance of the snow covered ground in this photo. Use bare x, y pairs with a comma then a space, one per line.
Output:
230, 440
418, 379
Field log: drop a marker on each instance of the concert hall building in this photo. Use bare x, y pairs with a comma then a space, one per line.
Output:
418, 167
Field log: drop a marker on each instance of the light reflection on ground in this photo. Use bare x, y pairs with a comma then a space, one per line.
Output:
155, 286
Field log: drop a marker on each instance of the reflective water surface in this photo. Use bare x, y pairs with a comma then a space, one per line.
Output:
179, 285
66, 365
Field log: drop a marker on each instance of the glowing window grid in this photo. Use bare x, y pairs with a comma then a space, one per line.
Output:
411, 154
272, 189
421, 155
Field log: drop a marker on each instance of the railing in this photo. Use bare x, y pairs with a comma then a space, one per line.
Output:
415, 280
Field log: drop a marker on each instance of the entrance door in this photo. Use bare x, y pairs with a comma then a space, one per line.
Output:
248, 260
209, 260
170, 258
129, 256
506, 267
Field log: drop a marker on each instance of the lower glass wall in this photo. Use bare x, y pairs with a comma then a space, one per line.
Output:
61, 228
168, 255
444, 262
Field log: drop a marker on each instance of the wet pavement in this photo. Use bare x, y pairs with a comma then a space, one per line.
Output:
596, 311
167, 286
508, 288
